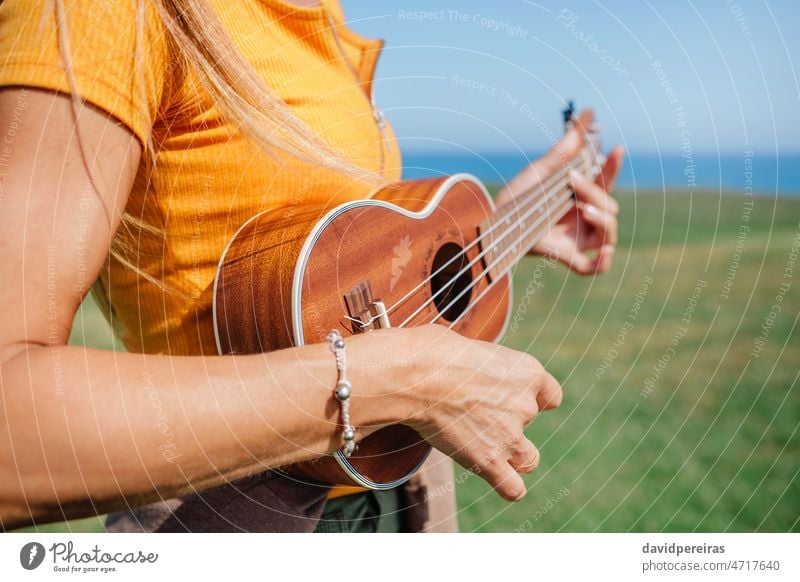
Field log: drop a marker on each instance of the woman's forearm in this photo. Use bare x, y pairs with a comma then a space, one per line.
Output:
86, 431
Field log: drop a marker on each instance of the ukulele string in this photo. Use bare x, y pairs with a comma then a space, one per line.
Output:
546, 200
537, 204
560, 204
546, 186
477, 300
467, 268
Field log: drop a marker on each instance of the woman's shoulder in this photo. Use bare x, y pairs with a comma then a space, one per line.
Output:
114, 52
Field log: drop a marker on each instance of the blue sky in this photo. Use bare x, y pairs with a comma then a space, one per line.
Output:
492, 76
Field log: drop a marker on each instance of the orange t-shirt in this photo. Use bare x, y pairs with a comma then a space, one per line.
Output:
207, 178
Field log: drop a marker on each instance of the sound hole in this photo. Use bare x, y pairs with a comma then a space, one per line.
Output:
447, 284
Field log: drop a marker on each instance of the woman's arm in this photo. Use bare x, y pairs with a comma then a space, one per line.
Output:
84, 431
81, 427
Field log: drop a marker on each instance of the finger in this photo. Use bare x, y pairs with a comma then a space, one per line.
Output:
604, 223
567, 147
611, 169
550, 393
525, 457
602, 262
585, 265
505, 480
568, 254
589, 192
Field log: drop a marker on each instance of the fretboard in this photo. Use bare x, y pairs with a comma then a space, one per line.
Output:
519, 224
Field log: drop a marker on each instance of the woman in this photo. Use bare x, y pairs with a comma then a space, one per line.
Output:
138, 136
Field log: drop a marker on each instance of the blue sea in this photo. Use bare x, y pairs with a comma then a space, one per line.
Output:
766, 174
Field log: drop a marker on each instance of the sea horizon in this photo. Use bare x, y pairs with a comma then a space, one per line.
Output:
752, 172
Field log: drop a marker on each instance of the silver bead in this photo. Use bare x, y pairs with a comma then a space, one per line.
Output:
349, 434
338, 344
343, 390
348, 448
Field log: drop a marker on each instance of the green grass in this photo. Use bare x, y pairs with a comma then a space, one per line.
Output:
714, 446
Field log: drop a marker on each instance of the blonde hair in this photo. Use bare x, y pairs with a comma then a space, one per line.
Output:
200, 43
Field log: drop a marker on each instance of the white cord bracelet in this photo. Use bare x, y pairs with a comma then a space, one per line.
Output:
342, 391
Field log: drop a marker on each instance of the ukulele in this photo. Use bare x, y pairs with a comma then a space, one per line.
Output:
417, 252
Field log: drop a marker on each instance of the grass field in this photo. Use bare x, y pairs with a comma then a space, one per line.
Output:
669, 421
706, 440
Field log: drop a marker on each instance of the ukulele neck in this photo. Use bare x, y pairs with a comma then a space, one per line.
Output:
519, 224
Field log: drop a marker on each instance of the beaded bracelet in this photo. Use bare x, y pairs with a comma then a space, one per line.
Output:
342, 392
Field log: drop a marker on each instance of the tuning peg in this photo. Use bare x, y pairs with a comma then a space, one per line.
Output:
569, 114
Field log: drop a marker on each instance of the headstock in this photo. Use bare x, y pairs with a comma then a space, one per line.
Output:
591, 134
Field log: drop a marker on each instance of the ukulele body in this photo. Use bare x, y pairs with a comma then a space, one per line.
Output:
290, 276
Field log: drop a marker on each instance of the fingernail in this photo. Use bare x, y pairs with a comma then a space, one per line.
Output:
591, 210
575, 177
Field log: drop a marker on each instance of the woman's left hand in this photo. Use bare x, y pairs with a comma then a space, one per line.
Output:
590, 226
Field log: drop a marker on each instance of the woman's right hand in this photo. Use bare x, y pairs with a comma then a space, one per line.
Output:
470, 399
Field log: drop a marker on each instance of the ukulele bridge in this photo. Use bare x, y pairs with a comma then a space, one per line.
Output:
364, 312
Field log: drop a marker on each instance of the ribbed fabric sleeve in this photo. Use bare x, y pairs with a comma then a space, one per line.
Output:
102, 37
